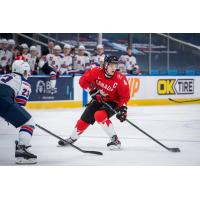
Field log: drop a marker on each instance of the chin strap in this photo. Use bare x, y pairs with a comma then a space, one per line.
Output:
107, 75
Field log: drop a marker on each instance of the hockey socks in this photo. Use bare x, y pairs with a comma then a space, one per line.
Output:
25, 134
80, 127
102, 118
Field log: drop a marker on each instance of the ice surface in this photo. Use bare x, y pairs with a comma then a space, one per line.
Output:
174, 126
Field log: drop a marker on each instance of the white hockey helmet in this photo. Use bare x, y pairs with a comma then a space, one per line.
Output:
11, 42
33, 48
57, 47
67, 46
24, 46
81, 47
20, 67
4, 41
99, 46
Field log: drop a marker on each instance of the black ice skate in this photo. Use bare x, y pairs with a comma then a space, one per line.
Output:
115, 144
23, 155
69, 140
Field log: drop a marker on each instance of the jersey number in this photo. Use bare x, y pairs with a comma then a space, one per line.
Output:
25, 93
6, 78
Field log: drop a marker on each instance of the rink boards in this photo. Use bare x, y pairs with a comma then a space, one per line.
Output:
144, 90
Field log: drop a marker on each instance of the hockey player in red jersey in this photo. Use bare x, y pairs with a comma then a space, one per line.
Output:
105, 84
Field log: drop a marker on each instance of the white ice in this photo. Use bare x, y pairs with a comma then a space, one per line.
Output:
174, 126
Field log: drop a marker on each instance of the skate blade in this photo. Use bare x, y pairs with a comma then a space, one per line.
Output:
115, 147
22, 161
67, 145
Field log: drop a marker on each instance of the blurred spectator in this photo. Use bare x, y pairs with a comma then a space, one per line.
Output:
51, 46
11, 45
49, 49
98, 58
128, 64
4, 57
1, 44
25, 50
18, 53
66, 66
81, 61
33, 60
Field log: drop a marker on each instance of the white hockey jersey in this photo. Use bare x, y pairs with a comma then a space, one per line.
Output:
66, 65
53, 61
5, 57
97, 59
21, 87
126, 62
32, 61
81, 63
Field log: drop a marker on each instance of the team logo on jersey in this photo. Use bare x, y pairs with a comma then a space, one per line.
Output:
106, 86
175, 86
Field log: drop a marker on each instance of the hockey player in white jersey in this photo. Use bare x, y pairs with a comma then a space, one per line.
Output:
50, 64
11, 53
81, 61
98, 58
128, 64
14, 93
33, 60
66, 66
4, 56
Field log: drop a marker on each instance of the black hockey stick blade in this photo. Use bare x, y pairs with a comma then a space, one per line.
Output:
174, 150
83, 151
74, 146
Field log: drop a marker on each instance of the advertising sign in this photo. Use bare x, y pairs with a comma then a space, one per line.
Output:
41, 89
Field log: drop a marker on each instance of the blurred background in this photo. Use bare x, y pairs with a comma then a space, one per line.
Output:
156, 53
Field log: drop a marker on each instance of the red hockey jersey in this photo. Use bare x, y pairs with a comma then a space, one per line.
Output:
114, 89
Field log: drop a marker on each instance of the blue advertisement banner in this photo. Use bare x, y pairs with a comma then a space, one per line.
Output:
41, 89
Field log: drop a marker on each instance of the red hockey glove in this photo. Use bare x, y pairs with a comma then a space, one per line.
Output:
122, 113
96, 95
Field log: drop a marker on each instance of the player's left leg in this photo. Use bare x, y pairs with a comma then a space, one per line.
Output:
23, 153
82, 124
19, 117
102, 117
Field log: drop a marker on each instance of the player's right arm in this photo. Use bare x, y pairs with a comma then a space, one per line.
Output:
87, 81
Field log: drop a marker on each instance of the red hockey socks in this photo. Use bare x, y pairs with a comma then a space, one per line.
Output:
101, 117
79, 128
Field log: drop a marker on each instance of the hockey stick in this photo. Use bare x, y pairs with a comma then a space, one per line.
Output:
58, 137
169, 149
186, 101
